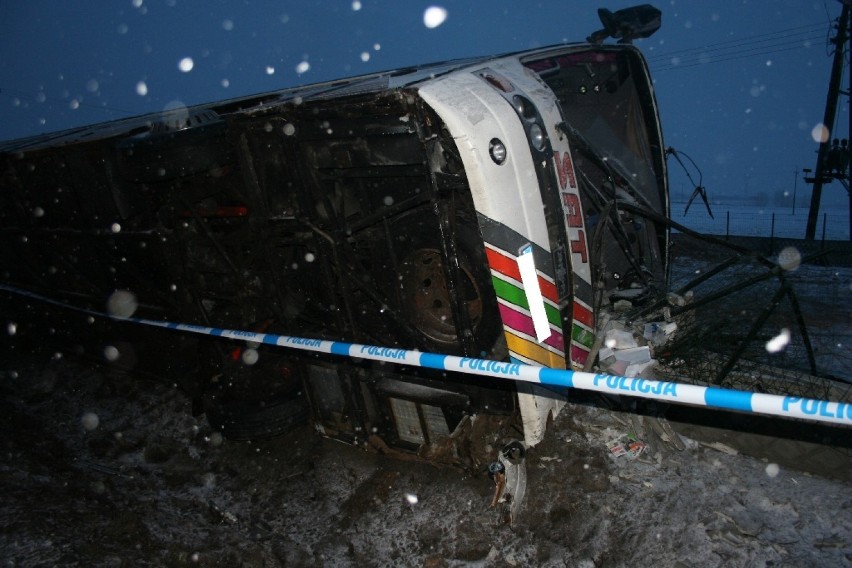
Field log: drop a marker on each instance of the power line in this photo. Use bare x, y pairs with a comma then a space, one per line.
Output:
787, 39
741, 42
801, 41
719, 58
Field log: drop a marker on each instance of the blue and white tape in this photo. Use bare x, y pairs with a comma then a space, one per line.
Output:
677, 393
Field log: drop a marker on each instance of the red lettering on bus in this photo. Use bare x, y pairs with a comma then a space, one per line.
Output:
578, 246
565, 169
571, 205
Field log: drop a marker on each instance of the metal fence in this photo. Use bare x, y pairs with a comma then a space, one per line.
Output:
752, 221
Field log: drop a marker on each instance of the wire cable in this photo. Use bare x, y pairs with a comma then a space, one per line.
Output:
787, 39
787, 33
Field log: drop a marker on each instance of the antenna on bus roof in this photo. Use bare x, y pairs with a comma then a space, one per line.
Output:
627, 24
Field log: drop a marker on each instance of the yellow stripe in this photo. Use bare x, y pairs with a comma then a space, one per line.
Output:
532, 351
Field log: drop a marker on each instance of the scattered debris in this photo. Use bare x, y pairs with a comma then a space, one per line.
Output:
665, 432
720, 447
628, 446
220, 514
620, 339
658, 333
628, 351
510, 477
498, 474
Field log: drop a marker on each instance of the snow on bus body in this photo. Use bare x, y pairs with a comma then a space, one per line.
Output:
503, 103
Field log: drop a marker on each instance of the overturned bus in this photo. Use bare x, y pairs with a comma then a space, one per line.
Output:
489, 207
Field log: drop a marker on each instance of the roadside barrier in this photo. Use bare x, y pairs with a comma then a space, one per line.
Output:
677, 393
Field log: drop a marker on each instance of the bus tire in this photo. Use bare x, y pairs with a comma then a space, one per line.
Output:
241, 420
424, 295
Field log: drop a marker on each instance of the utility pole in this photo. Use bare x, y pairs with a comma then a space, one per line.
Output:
849, 102
795, 183
820, 172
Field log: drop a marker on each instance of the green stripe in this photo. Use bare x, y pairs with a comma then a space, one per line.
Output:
582, 336
516, 295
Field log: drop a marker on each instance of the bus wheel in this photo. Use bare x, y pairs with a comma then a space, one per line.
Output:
254, 401
426, 297
256, 420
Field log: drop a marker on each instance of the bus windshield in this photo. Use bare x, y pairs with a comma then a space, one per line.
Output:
602, 95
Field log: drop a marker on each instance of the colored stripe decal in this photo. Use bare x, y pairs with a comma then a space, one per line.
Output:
583, 314
509, 267
578, 355
515, 295
523, 323
582, 336
534, 352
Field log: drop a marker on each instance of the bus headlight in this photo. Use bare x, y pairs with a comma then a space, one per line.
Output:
537, 137
497, 150
523, 107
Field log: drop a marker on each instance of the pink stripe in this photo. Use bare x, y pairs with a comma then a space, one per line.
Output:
578, 355
524, 324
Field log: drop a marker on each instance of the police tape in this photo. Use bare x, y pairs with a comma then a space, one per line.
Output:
677, 393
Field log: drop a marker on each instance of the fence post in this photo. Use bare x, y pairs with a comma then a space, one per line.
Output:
822, 245
772, 235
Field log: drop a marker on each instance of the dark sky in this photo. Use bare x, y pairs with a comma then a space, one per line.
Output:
741, 84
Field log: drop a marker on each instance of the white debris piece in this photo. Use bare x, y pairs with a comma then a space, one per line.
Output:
634, 355
620, 339
636, 369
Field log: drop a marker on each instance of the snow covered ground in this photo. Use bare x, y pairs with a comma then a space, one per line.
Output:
103, 469
99, 469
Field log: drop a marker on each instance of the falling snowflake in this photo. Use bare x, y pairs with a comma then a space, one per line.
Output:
779, 342
186, 64
90, 421
434, 16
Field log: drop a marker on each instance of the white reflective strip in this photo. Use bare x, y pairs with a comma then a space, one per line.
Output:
526, 264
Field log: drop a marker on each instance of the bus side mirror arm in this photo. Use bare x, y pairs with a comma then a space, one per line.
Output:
627, 24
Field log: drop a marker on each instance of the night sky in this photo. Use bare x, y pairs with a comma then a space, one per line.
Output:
741, 84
